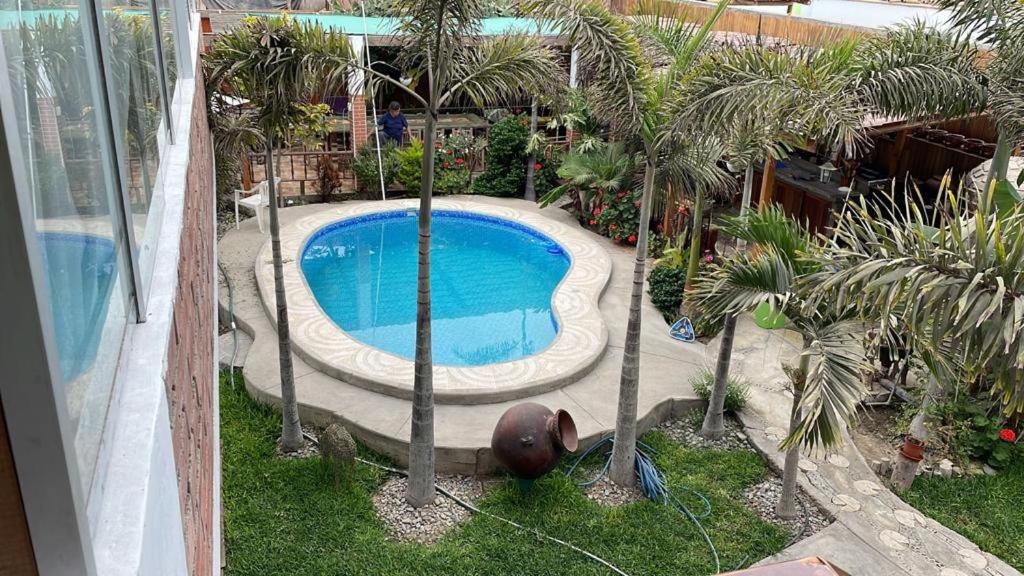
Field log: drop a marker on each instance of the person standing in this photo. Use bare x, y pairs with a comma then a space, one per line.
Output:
393, 124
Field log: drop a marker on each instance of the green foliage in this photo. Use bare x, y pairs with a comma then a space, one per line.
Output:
618, 217
665, 285
707, 325
367, 168
451, 164
309, 125
737, 390
969, 428
545, 179
988, 510
505, 174
410, 167
278, 509
606, 169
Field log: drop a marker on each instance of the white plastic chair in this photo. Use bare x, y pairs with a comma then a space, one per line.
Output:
257, 199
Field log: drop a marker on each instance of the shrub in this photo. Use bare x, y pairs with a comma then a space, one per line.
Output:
410, 166
545, 179
972, 429
736, 390
451, 165
619, 217
665, 285
365, 167
505, 174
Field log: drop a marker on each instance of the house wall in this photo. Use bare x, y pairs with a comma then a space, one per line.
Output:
190, 382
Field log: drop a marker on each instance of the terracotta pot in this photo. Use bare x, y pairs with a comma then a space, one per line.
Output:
530, 439
913, 449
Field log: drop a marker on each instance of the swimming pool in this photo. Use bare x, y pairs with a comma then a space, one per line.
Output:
81, 270
492, 283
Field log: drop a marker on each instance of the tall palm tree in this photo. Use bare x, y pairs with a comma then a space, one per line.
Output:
277, 63
951, 282
441, 44
636, 102
775, 100
826, 384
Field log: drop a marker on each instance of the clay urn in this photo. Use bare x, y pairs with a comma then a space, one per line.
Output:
530, 439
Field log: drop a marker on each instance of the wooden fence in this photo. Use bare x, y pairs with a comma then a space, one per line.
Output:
798, 30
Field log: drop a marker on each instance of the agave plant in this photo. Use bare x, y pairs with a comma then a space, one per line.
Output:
827, 383
951, 281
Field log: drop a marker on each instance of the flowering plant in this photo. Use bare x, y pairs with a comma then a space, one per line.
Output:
1007, 435
619, 216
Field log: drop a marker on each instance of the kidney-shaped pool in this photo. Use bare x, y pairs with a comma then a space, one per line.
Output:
492, 282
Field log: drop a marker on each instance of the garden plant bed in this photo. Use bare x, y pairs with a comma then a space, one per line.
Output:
287, 516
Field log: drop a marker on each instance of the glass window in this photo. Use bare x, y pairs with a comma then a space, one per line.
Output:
165, 11
130, 60
74, 199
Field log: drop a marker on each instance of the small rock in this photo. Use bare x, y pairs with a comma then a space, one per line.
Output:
957, 471
946, 468
988, 470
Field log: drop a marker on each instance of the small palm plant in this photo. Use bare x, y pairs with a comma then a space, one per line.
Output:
827, 386
606, 169
950, 281
278, 64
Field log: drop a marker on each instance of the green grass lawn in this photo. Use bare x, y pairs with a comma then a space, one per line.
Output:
286, 517
988, 510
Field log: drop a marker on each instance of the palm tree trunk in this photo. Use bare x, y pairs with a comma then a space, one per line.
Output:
531, 191
786, 508
420, 491
291, 432
905, 470
624, 452
695, 240
714, 419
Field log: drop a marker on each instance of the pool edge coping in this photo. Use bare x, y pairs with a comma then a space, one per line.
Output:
577, 347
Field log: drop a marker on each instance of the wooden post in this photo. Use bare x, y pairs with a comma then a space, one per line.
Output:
767, 184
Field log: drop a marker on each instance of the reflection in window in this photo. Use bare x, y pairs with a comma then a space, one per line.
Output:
130, 60
73, 200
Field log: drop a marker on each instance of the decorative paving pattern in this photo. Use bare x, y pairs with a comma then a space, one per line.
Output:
580, 342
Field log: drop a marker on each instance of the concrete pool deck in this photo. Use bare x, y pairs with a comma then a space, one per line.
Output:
463, 432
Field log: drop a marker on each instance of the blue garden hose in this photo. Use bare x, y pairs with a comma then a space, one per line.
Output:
653, 486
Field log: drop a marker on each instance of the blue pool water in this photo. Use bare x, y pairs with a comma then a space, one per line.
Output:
80, 272
491, 280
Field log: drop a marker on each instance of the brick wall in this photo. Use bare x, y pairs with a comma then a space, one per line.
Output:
190, 362
358, 116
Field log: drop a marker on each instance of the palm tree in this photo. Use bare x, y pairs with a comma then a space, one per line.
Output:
951, 282
277, 64
775, 100
999, 23
826, 384
441, 43
636, 102
589, 176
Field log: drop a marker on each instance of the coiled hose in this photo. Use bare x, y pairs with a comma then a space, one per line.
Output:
653, 486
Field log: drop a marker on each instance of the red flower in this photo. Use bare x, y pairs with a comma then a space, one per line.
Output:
637, 203
632, 239
446, 164
536, 166
682, 210
1007, 435
613, 227
709, 258
592, 222
437, 146
597, 211
620, 194
460, 161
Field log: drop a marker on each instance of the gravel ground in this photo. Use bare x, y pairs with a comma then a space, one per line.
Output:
763, 497
429, 523
686, 431
608, 493
309, 451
